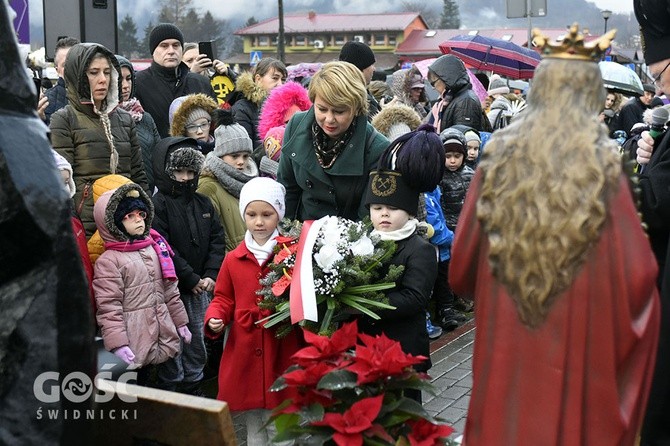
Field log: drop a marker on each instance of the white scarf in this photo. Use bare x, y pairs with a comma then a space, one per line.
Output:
261, 252
399, 234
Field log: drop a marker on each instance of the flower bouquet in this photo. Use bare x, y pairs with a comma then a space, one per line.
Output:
347, 393
325, 270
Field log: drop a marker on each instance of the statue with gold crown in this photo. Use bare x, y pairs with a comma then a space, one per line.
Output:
554, 253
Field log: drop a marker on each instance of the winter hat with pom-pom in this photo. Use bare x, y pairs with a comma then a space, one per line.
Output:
497, 85
230, 137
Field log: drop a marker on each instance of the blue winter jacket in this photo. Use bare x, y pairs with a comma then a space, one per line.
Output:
443, 236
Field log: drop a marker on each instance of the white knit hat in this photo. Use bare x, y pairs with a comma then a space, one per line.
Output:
63, 164
263, 189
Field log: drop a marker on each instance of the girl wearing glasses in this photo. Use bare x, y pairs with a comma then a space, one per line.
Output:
191, 116
139, 310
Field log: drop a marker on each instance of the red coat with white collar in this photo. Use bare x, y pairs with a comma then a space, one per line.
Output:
253, 357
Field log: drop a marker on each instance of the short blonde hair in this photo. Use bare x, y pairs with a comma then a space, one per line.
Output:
340, 84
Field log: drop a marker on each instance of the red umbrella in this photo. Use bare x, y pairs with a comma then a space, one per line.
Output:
490, 54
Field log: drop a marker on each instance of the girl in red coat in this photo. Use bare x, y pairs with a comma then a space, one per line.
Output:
253, 358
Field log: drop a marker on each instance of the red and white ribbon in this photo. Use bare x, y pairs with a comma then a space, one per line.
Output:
302, 298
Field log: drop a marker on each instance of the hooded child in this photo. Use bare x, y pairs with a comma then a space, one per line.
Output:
139, 311
191, 116
188, 222
226, 170
65, 172
253, 358
281, 104
453, 187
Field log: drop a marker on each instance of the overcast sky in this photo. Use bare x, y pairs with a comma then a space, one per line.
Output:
614, 5
263, 9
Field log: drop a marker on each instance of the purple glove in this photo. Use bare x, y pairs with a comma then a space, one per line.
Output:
125, 353
184, 333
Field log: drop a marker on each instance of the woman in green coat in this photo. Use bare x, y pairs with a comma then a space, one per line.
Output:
329, 150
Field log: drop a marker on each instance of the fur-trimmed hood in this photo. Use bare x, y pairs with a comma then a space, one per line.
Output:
290, 97
183, 106
401, 82
106, 205
249, 89
395, 115
163, 160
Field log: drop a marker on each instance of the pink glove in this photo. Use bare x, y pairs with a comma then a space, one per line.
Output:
184, 333
125, 353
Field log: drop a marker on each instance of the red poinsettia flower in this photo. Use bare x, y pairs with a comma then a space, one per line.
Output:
300, 400
380, 357
308, 376
324, 348
425, 433
350, 425
284, 282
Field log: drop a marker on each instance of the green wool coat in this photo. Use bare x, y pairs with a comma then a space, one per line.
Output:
228, 209
312, 191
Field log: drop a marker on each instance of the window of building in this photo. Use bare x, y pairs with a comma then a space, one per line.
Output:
339, 39
263, 41
300, 41
392, 40
380, 39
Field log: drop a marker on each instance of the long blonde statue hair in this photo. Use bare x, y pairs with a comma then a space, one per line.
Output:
546, 182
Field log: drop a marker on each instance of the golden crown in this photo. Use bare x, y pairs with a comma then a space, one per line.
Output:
573, 46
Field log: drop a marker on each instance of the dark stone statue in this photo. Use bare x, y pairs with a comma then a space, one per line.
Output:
45, 315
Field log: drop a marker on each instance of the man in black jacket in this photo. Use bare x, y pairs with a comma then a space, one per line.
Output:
654, 156
631, 113
168, 77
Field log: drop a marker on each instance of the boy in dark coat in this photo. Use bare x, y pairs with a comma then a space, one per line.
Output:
393, 199
454, 185
188, 221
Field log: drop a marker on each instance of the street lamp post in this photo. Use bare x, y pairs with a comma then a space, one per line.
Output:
606, 15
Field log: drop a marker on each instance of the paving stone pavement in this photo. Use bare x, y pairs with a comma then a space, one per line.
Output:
451, 374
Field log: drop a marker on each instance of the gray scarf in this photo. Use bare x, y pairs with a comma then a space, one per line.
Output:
230, 178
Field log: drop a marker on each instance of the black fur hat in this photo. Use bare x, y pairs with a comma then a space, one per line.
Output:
391, 188
418, 156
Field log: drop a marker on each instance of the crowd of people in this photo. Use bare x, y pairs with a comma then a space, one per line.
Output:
182, 239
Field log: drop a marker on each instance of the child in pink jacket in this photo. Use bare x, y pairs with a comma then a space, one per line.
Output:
139, 310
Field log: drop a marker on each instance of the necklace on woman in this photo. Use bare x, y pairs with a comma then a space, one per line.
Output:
325, 148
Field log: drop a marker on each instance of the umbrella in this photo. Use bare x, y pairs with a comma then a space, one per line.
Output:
496, 55
477, 86
620, 78
302, 70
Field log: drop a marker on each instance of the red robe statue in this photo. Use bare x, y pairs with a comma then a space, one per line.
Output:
550, 246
